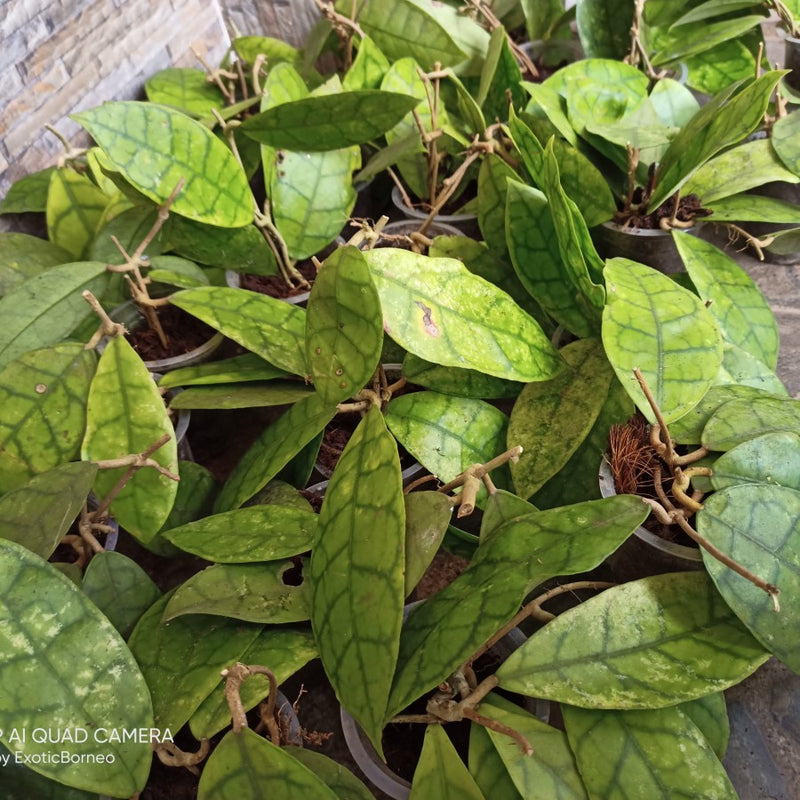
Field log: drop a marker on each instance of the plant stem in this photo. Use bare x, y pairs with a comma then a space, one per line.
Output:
479, 470
107, 326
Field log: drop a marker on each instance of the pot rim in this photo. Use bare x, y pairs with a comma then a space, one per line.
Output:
413, 213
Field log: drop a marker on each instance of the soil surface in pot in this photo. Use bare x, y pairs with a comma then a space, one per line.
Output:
276, 286
184, 333
633, 463
689, 209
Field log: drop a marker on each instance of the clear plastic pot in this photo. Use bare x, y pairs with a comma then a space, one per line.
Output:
466, 224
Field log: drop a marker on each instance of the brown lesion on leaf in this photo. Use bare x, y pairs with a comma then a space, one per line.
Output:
431, 328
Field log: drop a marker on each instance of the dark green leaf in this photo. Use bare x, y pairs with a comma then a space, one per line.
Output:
344, 783
427, 517
195, 495
744, 419
440, 772
492, 191
22, 256
28, 194
457, 381
248, 395
604, 27
710, 714
773, 458
247, 367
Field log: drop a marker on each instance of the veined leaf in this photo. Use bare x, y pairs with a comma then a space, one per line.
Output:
126, 415
284, 649
329, 121
758, 525
245, 766
357, 579
457, 381
427, 517
252, 592
247, 367
120, 588
39, 513
74, 208
57, 645
43, 396
488, 769
620, 753
604, 27
46, 308
440, 772
451, 305
344, 326
669, 653
185, 89
445, 631
274, 449
181, 660
736, 303
248, 48
256, 533
29, 193
710, 714
492, 191
741, 368
249, 395
368, 67
22, 256
663, 329
270, 328
773, 458
746, 418
343, 782
154, 146
195, 496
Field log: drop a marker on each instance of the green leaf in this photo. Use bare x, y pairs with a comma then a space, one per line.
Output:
181, 660
344, 326
746, 418
249, 395
251, 592
407, 28
270, 328
447, 434
28, 194
22, 783
488, 769
773, 458
284, 649
501, 506
754, 208
440, 772
74, 208
368, 67
357, 579
245, 766
22, 256
727, 119
604, 27
501, 79
551, 419
248, 48
652, 323
240, 249
256, 533
457, 381
126, 415
427, 517
438, 310
47, 307
184, 89
274, 449
120, 588
154, 147
551, 771
247, 367
715, 69
329, 121
739, 367
344, 783
757, 525
682, 642
710, 714
58, 646
492, 191
645, 753
446, 630
196, 492
43, 397
743, 167
39, 513
784, 141
742, 312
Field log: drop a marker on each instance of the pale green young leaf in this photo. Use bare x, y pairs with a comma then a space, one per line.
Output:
74, 209
185, 89
440, 772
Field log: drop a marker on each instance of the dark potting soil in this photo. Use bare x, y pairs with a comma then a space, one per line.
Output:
689, 209
275, 285
184, 333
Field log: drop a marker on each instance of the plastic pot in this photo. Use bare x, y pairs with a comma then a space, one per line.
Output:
645, 553
653, 247
130, 316
407, 227
466, 224
791, 60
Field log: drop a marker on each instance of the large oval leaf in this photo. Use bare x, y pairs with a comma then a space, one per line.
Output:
736, 303
645, 754
758, 526
257, 533
427, 517
74, 209
43, 397
38, 514
181, 660
357, 578
744, 419
663, 329
680, 641
270, 328
57, 645
338, 777
126, 415
773, 458
552, 418
438, 310
22, 256
252, 592
245, 766
46, 308
155, 146
344, 326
